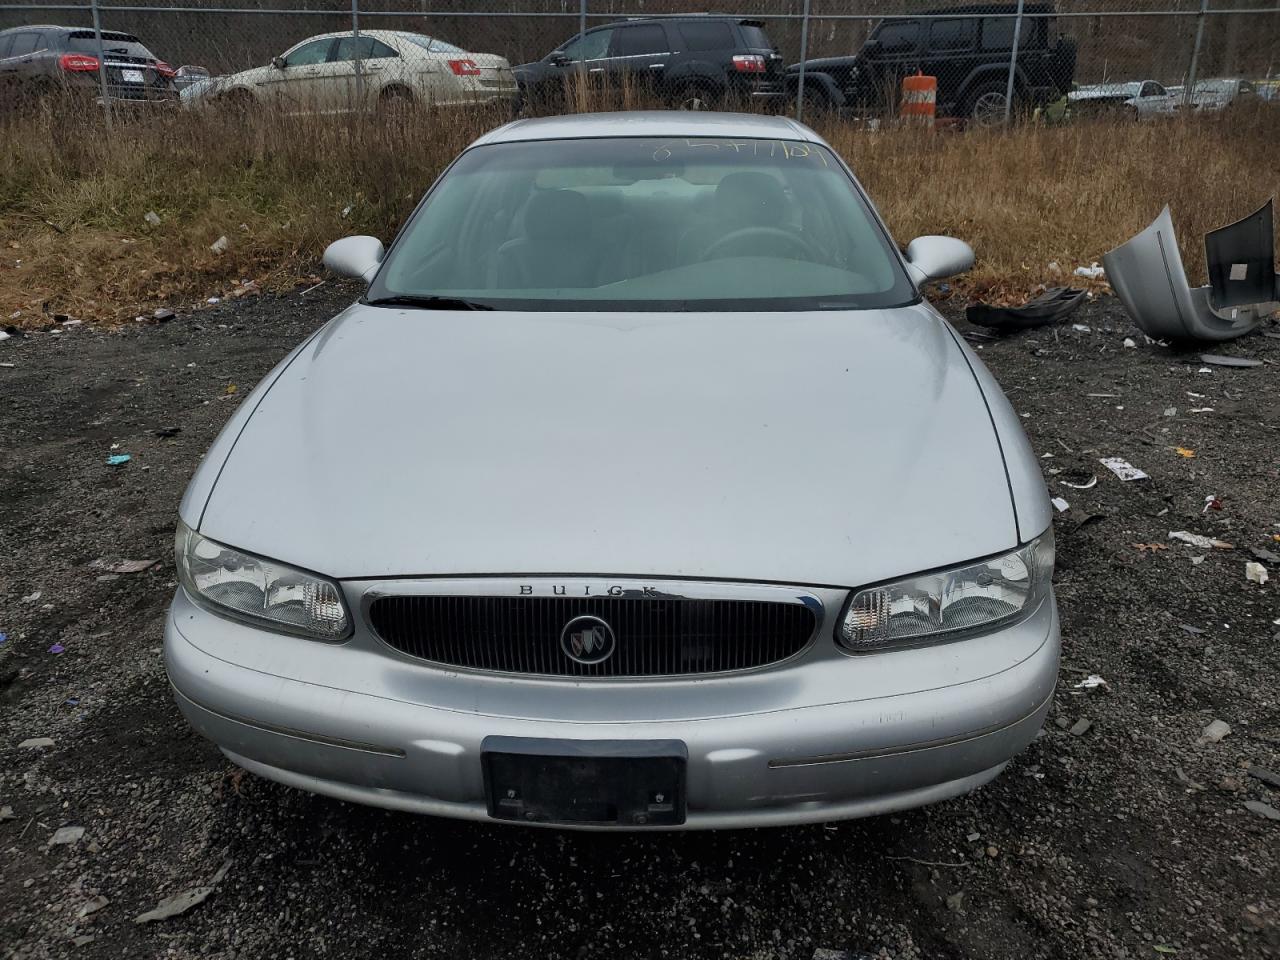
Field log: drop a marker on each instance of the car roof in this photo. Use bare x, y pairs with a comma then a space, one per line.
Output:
59, 28
47, 26
376, 34
987, 10
650, 123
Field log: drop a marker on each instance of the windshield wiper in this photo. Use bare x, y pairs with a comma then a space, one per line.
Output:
427, 302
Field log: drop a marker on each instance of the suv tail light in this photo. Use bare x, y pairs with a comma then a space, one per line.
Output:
165, 70
464, 68
77, 62
749, 63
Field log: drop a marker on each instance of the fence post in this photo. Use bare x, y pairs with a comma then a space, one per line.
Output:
102, 63
1013, 65
1195, 53
804, 55
355, 34
582, 17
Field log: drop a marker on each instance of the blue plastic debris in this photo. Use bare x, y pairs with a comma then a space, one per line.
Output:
3, 637
73, 701
57, 648
118, 458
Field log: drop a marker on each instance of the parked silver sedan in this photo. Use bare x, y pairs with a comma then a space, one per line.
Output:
642, 489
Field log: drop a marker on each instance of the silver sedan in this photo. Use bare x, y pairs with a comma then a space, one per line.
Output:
641, 489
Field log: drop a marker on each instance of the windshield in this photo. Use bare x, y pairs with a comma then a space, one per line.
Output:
84, 41
647, 224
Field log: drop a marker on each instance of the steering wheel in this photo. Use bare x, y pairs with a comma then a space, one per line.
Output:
751, 234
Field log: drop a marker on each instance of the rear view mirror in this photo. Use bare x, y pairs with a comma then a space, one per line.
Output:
278, 62
936, 258
355, 257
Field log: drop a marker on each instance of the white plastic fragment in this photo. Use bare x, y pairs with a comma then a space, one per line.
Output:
184, 901
1094, 272
66, 835
220, 245
1255, 572
1196, 540
1081, 328
1059, 504
1123, 469
1215, 731
1130, 343
152, 218
1091, 681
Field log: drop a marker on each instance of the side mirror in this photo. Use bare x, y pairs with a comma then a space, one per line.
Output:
278, 63
871, 47
355, 257
936, 258
558, 59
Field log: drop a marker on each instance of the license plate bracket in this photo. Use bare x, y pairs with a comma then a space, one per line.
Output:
587, 782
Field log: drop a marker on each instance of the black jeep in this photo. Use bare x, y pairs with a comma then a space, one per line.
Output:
967, 48
694, 62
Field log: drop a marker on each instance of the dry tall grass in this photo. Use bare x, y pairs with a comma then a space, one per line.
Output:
74, 196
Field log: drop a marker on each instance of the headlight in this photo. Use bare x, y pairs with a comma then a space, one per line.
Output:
264, 591
936, 606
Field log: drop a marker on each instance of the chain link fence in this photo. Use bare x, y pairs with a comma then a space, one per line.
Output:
991, 60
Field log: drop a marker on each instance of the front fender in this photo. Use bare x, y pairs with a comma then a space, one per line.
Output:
1031, 507
823, 81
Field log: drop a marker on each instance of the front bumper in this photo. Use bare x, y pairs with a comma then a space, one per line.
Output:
769, 747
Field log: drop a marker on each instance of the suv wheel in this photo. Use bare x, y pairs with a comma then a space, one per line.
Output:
693, 97
986, 105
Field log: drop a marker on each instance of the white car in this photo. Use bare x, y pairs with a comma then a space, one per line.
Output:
1219, 94
1141, 98
342, 72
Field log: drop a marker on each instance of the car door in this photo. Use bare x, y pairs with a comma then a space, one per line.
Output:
1153, 100
896, 53
637, 57
293, 81
948, 54
356, 71
17, 66
584, 57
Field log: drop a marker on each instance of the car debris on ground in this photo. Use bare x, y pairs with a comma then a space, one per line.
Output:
1196, 540
1148, 276
182, 902
1218, 360
1123, 469
1215, 731
1052, 306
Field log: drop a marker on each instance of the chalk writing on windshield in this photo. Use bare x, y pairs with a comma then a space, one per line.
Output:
776, 149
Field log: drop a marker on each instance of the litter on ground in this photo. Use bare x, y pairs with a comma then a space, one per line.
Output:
1123, 469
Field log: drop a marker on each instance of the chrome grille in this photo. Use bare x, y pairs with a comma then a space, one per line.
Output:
655, 635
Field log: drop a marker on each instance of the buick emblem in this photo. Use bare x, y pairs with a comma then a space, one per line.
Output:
587, 640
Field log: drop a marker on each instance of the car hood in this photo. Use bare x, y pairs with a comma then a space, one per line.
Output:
822, 63
824, 448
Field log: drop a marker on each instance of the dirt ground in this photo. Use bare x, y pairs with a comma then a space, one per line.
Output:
1129, 839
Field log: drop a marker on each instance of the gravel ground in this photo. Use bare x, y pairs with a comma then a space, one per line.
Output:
1130, 838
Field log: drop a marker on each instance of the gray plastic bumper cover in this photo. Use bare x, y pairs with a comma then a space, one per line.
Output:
1147, 275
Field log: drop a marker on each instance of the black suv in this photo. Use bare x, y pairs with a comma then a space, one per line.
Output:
38, 61
695, 62
967, 48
